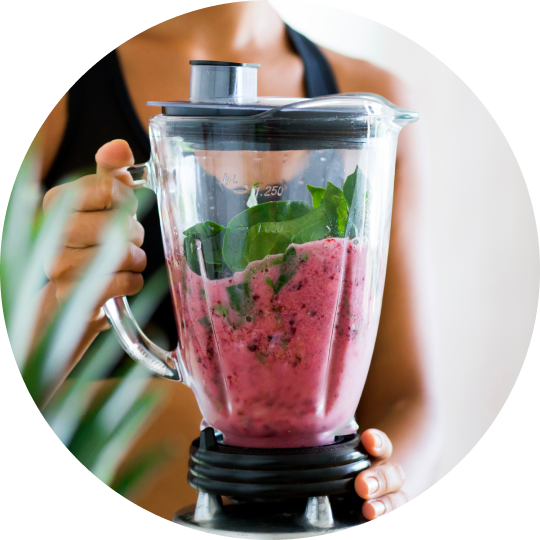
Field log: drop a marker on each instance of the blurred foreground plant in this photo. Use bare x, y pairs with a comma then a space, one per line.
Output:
97, 427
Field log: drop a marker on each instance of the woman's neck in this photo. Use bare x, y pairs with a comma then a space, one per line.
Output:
225, 30
155, 64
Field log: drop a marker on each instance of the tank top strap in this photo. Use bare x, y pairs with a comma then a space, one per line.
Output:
99, 110
318, 75
124, 99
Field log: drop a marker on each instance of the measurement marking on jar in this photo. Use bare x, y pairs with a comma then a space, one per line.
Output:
229, 180
272, 191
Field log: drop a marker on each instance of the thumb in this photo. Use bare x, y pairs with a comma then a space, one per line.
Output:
113, 158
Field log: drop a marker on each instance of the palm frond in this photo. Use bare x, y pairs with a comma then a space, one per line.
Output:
26, 306
98, 428
18, 228
67, 408
139, 471
49, 361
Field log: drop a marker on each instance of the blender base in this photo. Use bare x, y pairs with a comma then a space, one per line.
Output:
294, 518
274, 474
274, 493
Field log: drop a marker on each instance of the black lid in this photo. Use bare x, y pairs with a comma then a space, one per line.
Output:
343, 121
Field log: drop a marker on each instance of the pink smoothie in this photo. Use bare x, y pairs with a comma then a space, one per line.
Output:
285, 369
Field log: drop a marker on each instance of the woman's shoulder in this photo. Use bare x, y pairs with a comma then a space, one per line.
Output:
356, 75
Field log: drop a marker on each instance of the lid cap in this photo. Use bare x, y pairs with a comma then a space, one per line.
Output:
213, 81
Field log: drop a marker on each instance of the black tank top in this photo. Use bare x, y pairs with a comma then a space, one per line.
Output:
100, 110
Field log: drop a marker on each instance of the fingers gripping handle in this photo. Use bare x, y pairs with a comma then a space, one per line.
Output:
131, 337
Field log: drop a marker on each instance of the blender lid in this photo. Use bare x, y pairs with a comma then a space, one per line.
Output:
224, 109
228, 89
222, 89
220, 108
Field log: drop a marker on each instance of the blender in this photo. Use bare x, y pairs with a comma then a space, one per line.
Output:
275, 216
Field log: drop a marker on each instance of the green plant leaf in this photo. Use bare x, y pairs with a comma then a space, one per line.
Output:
18, 231
31, 240
327, 220
317, 194
349, 187
235, 250
211, 236
190, 252
272, 238
205, 322
70, 403
204, 230
65, 334
117, 446
317, 231
269, 239
275, 237
135, 474
287, 270
220, 309
240, 297
336, 210
93, 468
106, 414
44, 251
270, 228
356, 192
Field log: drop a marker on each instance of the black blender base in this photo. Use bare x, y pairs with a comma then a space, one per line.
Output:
294, 518
275, 474
275, 493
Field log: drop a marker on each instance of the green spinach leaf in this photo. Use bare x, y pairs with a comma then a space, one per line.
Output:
190, 252
287, 270
357, 195
317, 194
205, 322
234, 243
270, 228
349, 187
211, 236
317, 231
275, 237
204, 230
240, 297
329, 219
337, 213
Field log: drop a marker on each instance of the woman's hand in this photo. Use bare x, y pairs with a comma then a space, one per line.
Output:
380, 485
103, 196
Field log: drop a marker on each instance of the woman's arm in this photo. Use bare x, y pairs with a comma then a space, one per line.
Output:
102, 196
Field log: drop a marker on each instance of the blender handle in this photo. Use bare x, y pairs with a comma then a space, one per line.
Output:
137, 345
166, 364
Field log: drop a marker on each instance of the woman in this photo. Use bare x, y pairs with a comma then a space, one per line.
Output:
397, 413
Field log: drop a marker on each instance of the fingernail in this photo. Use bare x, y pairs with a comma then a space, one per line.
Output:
378, 441
372, 484
379, 507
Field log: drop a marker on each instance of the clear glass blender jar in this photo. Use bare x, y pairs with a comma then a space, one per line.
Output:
275, 216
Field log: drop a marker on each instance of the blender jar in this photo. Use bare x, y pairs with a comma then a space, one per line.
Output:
275, 217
